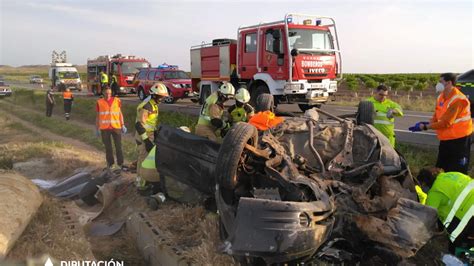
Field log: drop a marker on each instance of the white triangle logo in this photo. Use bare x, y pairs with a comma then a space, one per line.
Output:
48, 262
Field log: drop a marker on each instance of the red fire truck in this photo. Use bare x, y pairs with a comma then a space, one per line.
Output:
123, 67
297, 60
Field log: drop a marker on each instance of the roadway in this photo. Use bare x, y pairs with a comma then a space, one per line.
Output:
401, 124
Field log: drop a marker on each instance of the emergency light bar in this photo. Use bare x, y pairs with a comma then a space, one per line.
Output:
168, 66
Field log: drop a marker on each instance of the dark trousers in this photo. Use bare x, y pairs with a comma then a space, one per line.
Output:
107, 136
454, 155
49, 109
67, 108
115, 89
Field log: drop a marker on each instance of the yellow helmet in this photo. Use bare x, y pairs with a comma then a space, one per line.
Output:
242, 95
159, 89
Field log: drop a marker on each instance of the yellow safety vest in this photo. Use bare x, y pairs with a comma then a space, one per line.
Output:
204, 117
152, 120
104, 78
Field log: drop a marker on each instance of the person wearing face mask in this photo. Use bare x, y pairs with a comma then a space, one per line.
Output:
241, 111
385, 113
145, 125
452, 195
453, 124
211, 119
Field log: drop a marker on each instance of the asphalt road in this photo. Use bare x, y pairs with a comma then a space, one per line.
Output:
401, 124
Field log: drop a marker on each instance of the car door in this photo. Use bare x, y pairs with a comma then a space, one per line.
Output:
150, 79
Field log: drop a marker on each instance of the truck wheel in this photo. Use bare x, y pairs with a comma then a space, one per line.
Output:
141, 94
365, 113
305, 107
230, 154
264, 102
260, 89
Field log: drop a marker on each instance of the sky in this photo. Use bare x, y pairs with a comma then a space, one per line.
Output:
375, 36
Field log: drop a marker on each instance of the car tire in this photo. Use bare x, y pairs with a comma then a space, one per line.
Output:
365, 113
264, 102
141, 94
230, 153
261, 89
170, 99
305, 107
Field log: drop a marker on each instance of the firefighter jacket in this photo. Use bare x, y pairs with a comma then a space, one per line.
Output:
151, 122
241, 114
110, 116
458, 122
104, 79
210, 110
452, 194
382, 123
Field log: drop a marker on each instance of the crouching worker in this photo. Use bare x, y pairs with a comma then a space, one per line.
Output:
452, 194
145, 124
241, 111
211, 123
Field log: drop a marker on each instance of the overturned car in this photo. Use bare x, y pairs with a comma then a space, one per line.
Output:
308, 189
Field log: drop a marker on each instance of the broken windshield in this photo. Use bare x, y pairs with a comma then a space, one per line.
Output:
310, 39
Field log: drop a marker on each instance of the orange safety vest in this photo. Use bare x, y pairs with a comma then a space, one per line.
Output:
265, 120
109, 115
67, 95
462, 125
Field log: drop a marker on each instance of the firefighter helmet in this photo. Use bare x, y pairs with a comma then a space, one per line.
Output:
242, 95
227, 89
159, 89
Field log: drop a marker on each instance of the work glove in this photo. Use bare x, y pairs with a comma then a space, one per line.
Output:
97, 132
418, 127
148, 145
124, 129
390, 113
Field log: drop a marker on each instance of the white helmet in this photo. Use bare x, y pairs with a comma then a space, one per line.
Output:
242, 95
159, 89
227, 89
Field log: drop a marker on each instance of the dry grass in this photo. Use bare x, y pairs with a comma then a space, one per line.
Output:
48, 234
425, 104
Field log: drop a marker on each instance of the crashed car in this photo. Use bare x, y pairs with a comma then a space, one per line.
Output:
308, 189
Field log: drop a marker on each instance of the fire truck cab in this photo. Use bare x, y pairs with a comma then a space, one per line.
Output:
123, 67
297, 60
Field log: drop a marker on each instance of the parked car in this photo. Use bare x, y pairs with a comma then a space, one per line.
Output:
177, 81
35, 79
5, 89
314, 187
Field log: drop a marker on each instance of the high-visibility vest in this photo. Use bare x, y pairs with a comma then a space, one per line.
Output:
382, 123
104, 78
462, 125
205, 117
67, 95
241, 114
109, 115
149, 162
152, 120
458, 188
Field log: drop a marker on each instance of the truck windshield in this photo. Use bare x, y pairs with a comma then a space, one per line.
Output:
68, 75
310, 39
132, 67
176, 75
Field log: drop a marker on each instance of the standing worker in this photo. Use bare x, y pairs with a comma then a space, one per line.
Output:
104, 81
241, 111
109, 124
145, 125
49, 102
452, 195
68, 99
385, 113
114, 85
453, 124
211, 122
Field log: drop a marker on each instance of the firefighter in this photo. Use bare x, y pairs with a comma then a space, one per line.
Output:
452, 195
211, 121
241, 111
49, 102
110, 125
114, 85
68, 98
104, 80
145, 124
453, 124
385, 113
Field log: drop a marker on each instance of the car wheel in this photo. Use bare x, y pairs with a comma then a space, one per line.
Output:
264, 102
261, 89
230, 153
170, 99
141, 94
305, 107
365, 113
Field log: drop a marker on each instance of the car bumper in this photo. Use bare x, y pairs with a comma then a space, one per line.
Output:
5, 93
181, 93
127, 90
278, 231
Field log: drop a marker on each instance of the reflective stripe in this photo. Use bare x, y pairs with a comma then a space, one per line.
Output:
462, 119
462, 196
381, 114
108, 121
205, 117
108, 113
383, 122
150, 127
465, 220
455, 97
